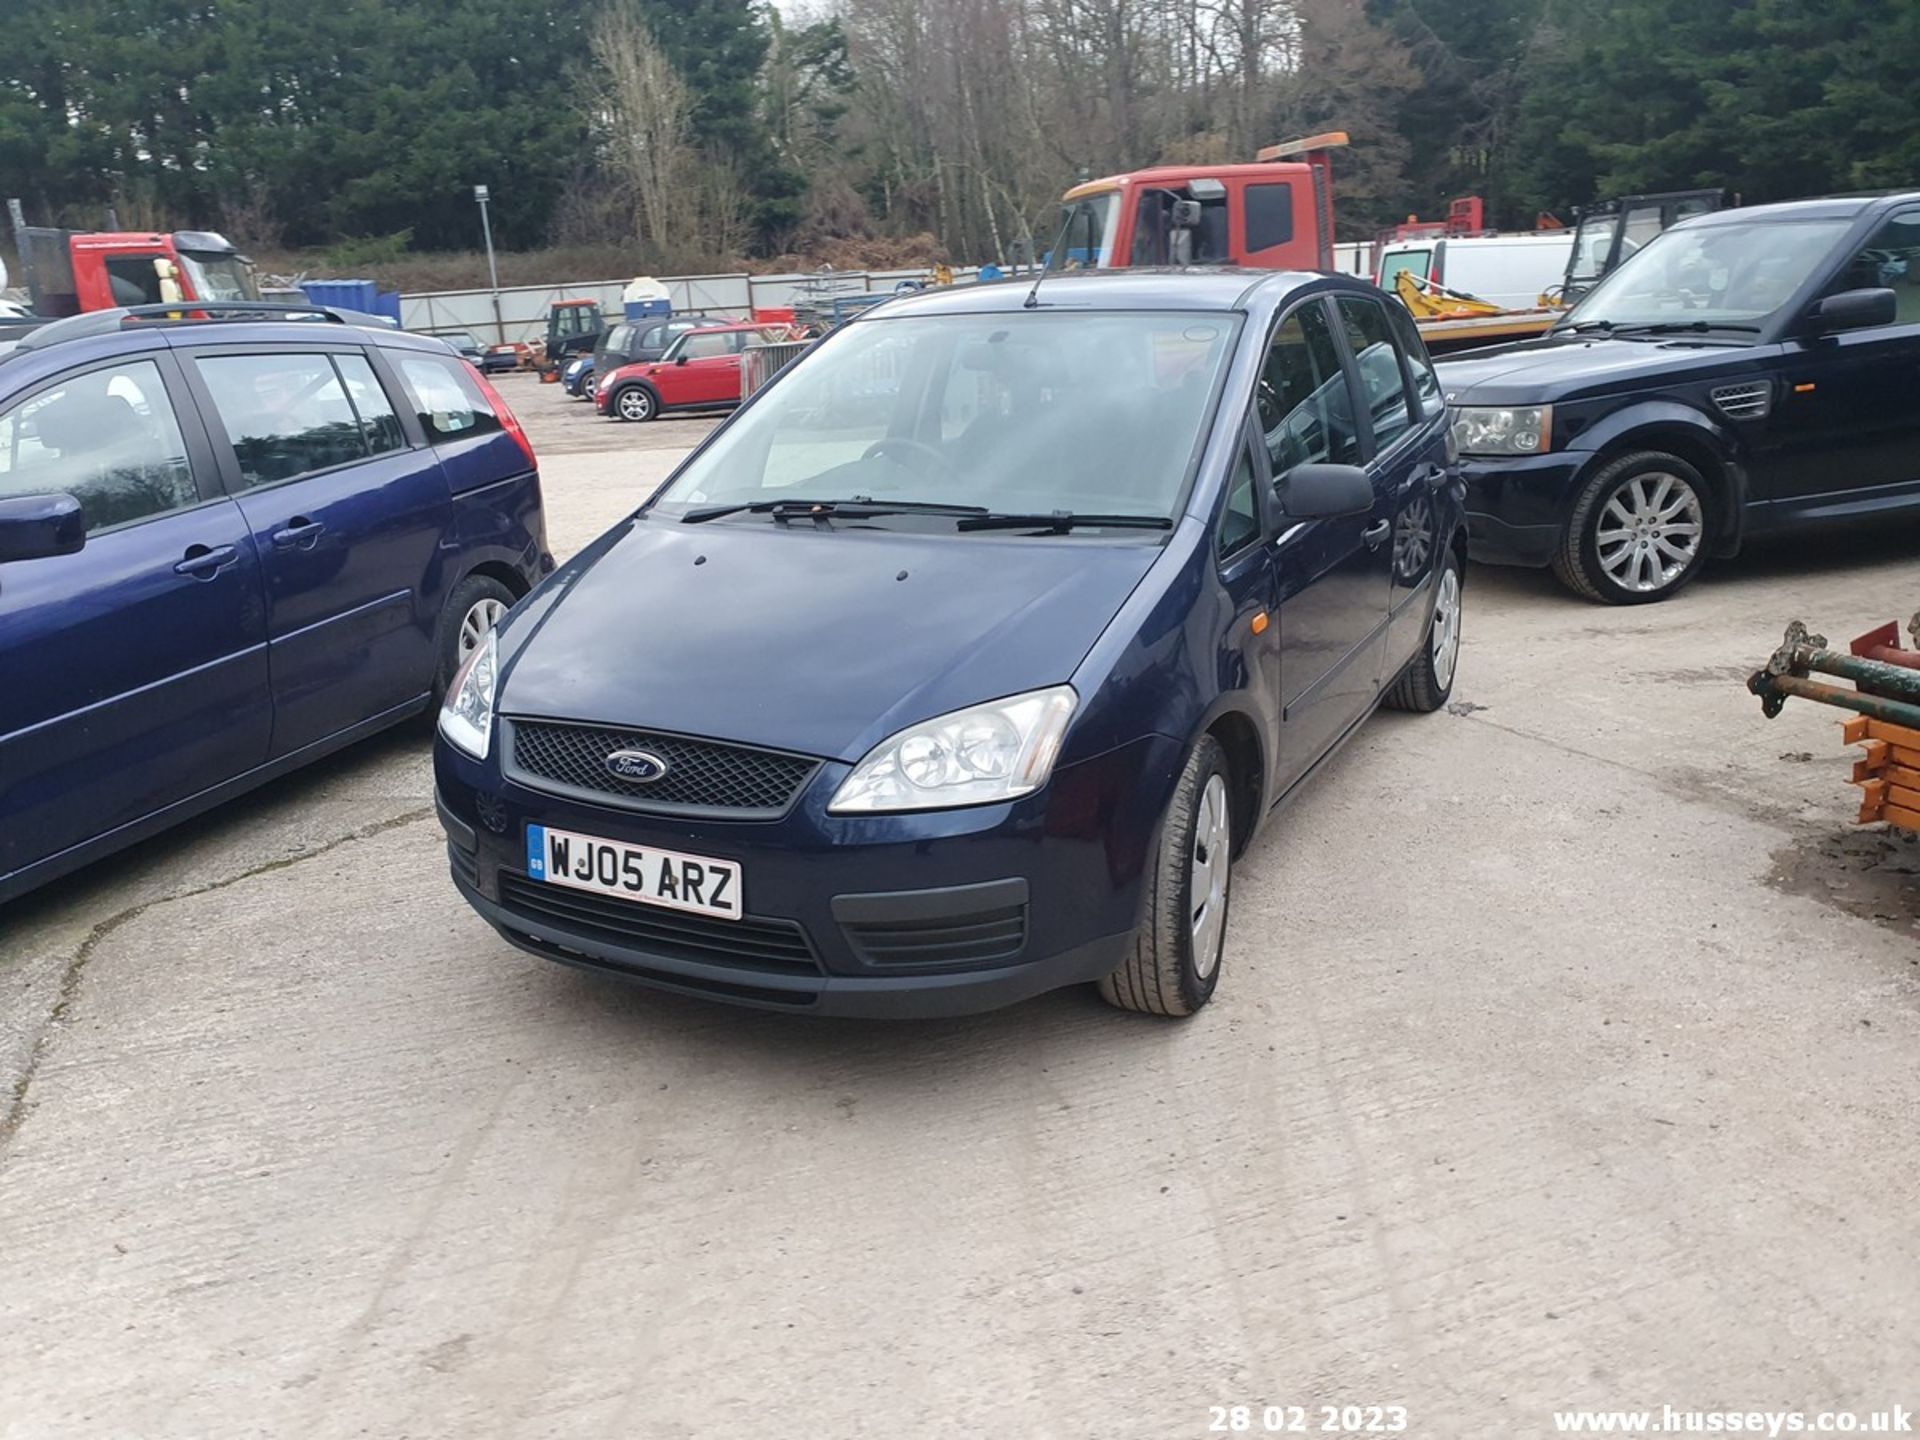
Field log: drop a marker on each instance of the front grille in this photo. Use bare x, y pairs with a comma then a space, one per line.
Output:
771, 947
702, 777
984, 937
1745, 402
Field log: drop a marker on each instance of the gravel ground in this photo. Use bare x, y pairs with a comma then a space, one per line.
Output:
1565, 1055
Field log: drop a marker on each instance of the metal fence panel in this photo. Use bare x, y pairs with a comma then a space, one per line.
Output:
523, 308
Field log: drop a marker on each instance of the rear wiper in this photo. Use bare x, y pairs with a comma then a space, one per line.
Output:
1058, 522
858, 507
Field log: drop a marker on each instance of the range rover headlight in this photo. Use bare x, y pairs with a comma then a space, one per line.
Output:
1502, 429
997, 751
466, 717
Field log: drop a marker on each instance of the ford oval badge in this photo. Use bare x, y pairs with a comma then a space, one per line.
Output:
636, 767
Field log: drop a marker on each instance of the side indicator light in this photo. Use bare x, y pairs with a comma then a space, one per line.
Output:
1259, 625
1807, 389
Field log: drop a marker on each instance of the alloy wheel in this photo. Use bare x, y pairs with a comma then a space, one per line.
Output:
480, 618
1212, 868
1446, 627
1649, 532
635, 404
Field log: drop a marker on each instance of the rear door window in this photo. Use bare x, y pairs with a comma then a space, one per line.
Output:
1426, 383
1378, 361
445, 396
1304, 406
285, 415
108, 437
379, 421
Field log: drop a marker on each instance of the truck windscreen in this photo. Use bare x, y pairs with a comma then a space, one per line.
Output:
219, 276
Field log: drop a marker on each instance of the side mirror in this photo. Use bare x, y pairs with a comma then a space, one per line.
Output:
33, 527
681, 360
1322, 492
1852, 310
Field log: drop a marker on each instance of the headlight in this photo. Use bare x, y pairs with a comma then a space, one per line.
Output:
995, 751
1498, 430
466, 719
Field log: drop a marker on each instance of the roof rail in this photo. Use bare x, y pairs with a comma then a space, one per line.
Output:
177, 312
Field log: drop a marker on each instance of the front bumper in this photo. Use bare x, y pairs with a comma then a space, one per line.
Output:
841, 912
1517, 505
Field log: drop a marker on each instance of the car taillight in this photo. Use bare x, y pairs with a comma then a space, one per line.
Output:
509, 422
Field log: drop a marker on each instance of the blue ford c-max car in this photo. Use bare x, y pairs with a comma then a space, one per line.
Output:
964, 660
231, 543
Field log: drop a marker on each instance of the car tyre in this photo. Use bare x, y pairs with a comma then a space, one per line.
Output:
1427, 680
634, 402
474, 608
589, 387
1638, 531
1175, 962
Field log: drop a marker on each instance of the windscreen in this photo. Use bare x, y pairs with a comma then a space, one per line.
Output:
1732, 274
1086, 240
219, 276
1029, 412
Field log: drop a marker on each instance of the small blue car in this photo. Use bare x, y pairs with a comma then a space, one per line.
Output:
577, 378
229, 546
962, 662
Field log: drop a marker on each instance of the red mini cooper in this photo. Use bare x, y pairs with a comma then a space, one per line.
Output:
700, 371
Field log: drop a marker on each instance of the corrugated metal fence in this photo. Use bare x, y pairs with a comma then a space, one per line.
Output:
523, 308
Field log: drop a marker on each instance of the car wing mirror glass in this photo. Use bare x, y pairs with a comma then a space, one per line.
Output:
1853, 310
1321, 492
33, 527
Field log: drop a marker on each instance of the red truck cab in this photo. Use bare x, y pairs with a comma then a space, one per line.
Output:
70, 272
1276, 214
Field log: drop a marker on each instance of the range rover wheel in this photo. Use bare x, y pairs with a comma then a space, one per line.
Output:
1428, 679
1175, 963
474, 608
635, 402
1638, 531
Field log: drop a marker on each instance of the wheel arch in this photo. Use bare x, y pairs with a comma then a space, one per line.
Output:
1687, 435
506, 574
1239, 737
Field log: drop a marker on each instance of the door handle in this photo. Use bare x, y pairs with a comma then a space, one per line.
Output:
203, 562
301, 533
1375, 534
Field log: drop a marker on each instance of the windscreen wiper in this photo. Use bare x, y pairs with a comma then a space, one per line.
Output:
857, 507
1650, 327
1679, 327
1058, 522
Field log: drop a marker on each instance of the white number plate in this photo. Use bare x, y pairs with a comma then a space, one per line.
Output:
634, 872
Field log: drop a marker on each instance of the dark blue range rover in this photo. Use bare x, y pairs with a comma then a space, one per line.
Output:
228, 546
962, 662
1748, 372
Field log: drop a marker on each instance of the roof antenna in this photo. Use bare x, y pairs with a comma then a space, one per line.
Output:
1059, 253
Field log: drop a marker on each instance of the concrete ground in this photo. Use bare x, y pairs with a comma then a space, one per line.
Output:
1565, 1056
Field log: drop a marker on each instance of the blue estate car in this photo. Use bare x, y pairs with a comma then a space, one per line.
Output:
960, 664
228, 547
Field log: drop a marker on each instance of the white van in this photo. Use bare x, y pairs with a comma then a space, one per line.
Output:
1510, 271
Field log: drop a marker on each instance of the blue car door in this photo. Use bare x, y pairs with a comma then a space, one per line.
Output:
1331, 575
1410, 433
348, 516
136, 668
